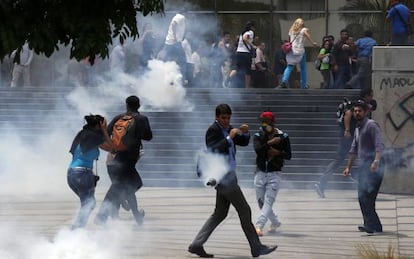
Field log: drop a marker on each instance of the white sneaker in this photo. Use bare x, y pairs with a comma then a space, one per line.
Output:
273, 227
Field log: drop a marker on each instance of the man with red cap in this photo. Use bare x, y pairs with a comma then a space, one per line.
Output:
272, 147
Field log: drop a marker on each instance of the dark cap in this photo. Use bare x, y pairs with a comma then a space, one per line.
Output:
362, 104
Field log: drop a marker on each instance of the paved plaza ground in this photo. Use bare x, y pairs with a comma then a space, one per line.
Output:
37, 226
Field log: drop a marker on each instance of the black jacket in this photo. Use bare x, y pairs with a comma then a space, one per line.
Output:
261, 147
216, 142
142, 132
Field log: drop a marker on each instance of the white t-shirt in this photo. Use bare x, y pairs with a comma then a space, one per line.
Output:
241, 47
179, 20
298, 47
259, 56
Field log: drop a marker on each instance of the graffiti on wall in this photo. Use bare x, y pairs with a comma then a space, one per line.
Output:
399, 116
407, 110
396, 82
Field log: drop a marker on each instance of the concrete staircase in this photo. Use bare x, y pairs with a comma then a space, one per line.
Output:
169, 160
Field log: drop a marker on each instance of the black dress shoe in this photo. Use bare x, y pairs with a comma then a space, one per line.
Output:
264, 250
364, 228
199, 250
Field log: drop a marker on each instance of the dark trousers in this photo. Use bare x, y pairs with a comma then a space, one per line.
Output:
368, 186
327, 78
359, 80
259, 79
244, 64
225, 197
399, 39
176, 53
125, 182
341, 155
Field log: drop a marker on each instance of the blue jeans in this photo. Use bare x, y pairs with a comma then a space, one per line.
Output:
267, 186
343, 75
82, 182
289, 69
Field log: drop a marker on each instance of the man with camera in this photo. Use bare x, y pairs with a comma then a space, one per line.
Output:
272, 147
347, 124
368, 146
121, 163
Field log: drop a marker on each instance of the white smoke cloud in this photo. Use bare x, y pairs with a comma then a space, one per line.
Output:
66, 244
212, 166
39, 165
160, 88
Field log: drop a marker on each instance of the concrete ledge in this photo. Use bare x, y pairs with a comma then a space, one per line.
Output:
393, 58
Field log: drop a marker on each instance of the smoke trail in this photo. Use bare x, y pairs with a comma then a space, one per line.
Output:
211, 166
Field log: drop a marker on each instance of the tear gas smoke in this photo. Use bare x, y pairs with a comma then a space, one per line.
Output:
66, 244
211, 167
39, 166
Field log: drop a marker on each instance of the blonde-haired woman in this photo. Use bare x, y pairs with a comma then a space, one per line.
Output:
297, 34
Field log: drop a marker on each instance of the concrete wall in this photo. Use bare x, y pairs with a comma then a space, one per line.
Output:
393, 85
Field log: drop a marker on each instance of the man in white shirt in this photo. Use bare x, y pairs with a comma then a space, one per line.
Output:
245, 49
173, 50
22, 65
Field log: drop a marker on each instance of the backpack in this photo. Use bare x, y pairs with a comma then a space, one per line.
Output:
318, 64
343, 107
123, 132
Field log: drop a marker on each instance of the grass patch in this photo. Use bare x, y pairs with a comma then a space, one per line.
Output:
371, 252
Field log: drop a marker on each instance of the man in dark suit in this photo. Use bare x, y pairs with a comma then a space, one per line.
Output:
221, 138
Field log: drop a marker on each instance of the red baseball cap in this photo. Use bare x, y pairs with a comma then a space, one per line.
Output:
267, 116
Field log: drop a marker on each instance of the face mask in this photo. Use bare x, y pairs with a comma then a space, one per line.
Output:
267, 128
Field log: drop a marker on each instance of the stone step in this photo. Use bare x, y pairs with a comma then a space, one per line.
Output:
309, 117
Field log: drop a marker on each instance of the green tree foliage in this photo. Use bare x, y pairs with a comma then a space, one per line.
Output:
87, 25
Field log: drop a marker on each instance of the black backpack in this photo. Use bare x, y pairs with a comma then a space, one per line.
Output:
344, 106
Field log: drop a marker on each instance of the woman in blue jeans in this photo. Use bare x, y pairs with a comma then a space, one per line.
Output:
297, 34
84, 150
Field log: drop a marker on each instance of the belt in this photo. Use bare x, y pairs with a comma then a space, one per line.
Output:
271, 172
79, 168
